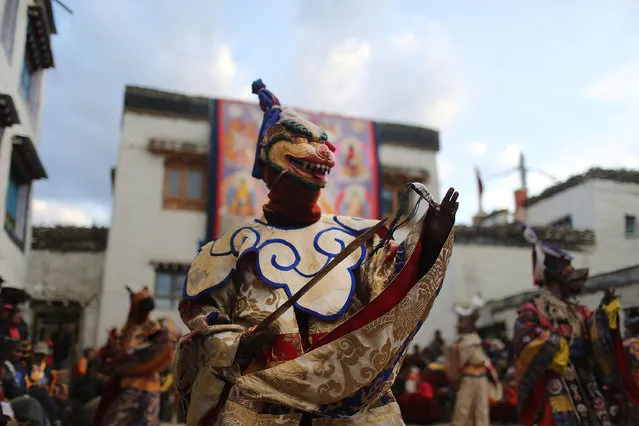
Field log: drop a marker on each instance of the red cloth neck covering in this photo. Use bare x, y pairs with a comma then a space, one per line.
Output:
291, 203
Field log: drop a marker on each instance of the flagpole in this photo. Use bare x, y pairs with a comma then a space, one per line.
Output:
480, 192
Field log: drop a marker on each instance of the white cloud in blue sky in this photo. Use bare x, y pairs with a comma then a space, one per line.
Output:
558, 80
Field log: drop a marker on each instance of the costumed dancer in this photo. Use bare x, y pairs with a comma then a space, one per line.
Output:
566, 355
332, 358
629, 412
471, 369
139, 352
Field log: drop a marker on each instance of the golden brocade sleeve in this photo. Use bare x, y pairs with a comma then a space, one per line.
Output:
379, 270
211, 343
354, 371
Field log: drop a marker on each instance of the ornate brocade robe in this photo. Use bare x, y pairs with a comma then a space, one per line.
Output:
596, 358
361, 319
630, 411
132, 395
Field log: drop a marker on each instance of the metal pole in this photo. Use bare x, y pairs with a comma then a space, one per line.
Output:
522, 171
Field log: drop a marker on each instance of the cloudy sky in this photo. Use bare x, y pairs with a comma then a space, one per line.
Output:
558, 80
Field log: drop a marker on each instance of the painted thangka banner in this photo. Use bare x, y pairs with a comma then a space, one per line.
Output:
352, 188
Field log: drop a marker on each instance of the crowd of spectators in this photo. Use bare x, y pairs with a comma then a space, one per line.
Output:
38, 385
426, 394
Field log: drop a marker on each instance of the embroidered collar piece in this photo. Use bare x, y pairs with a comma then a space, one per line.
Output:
287, 258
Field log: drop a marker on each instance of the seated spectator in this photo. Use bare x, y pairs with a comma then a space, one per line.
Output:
80, 368
25, 348
65, 411
14, 377
49, 358
415, 359
14, 327
435, 374
6, 412
419, 406
46, 402
505, 411
88, 387
39, 373
62, 341
436, 347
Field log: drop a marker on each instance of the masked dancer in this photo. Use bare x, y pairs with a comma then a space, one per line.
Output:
567, 356
470, 368
331, 359
138, 353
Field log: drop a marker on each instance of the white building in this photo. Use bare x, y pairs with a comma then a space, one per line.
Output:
25, 55
64, 280
154, 234
605, 202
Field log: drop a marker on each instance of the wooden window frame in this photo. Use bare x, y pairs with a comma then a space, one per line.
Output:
176, 288
184, 163
630, 220
396, 190
16, 227
395, 180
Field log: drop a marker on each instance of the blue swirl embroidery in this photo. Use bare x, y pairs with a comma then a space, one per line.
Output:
247, 239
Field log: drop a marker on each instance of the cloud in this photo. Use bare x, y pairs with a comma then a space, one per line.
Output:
614, 144
445, 168
620, 86
478, 148
98, 51
51, 212
371, 69
384, 65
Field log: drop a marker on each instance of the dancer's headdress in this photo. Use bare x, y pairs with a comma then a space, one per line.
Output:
546, 258
467, 314
290, 123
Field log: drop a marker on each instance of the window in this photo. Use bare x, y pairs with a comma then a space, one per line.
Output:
25, 79
168, 288
564, 222
184, 184
631, 225
8, 27
15, 218
30, 87
390, 200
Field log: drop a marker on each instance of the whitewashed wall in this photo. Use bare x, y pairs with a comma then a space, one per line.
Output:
141, 230
74, 276
12, 259
600, 205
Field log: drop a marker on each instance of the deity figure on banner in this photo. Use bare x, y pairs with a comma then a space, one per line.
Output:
242, 199
269, 347
353, 164
238, 140
356, 201
570, 362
